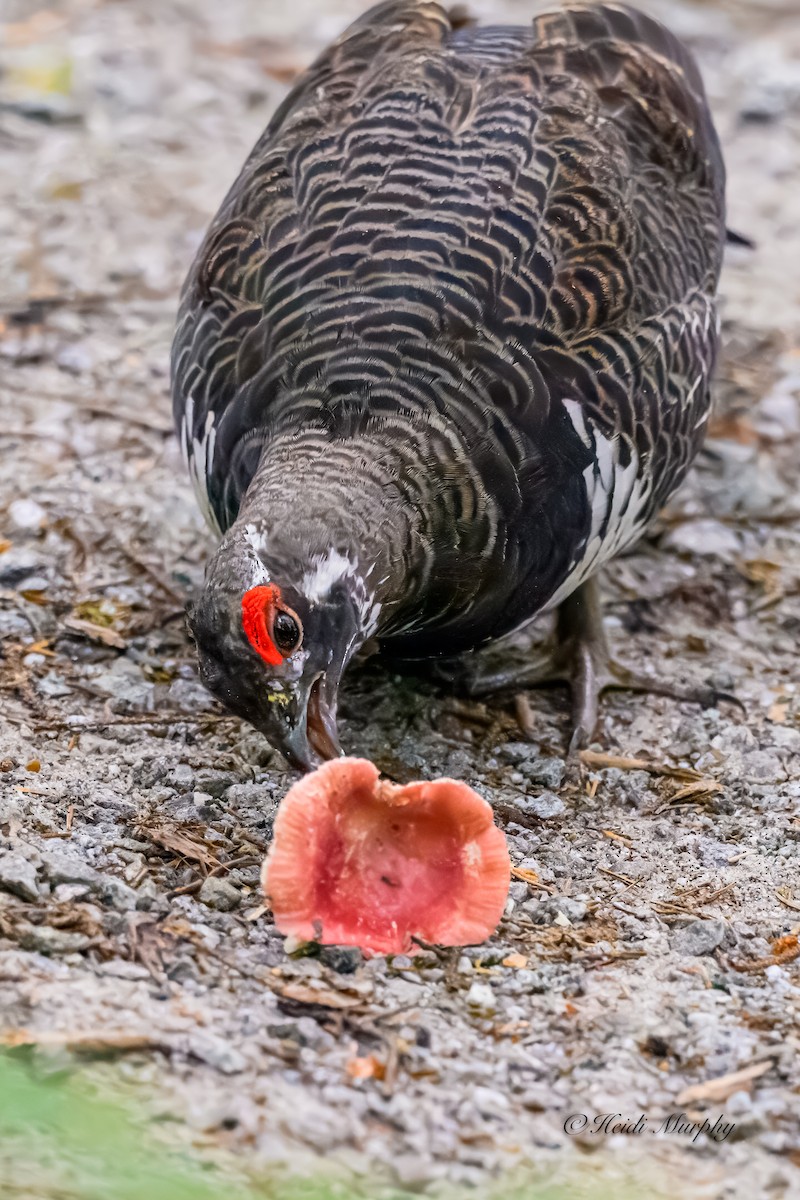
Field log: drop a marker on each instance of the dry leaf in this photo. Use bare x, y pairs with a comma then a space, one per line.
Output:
33, 29
41, 647
718, 1090
95, 633
616, 837
525, 874
48, 76
517, 961
734, 428
509, 1029
185, 843
35, 596
102, 612
68, 189
778, 712
699, 788
365, 1068
786, 945
87, 1043
785, 897
152, 944
763, 571
308, 993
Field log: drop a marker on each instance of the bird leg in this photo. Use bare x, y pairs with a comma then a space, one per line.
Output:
583, 662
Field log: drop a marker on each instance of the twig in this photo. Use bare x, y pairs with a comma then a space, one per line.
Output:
596, 758
785, 897
189, 889
616, 875
525, 717
761, 964
610, 959
125, 418
718, 1090
70, 726
86, 1043
390, 1069
719, 892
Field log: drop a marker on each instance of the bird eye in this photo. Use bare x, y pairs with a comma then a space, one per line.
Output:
286, 632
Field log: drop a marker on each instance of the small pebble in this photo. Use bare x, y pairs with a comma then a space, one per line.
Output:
705, 538
47, 940
344, 959
547, 771
18, 876
548, 912
25, 516
480, 996
217, 1052
189, 696
545, 806
68, 893
219, 894
697, 937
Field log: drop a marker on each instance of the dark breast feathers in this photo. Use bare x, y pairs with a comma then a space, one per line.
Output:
494, 251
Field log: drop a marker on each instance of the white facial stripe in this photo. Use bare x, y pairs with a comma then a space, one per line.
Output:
256, 540
332, 568
324, 573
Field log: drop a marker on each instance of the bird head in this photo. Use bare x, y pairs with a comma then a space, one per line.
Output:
275, 632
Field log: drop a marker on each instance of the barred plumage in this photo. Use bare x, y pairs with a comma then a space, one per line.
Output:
455, 321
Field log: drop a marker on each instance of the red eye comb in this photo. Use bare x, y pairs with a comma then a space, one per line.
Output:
258, 609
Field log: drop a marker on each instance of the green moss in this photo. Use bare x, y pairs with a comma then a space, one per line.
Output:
62, 1140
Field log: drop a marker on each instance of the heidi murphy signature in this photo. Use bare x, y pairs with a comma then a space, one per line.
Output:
677, 1124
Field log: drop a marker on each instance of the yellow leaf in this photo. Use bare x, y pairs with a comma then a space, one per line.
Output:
526, 874
43, 77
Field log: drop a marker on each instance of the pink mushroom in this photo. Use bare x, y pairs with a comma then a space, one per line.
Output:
359, 861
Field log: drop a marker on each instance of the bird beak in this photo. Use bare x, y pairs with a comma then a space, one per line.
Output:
309, 735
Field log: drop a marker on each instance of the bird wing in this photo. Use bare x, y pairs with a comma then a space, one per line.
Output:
482, 196
241, 299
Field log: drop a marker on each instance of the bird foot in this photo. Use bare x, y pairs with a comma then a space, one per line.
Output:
583, 663
588, 674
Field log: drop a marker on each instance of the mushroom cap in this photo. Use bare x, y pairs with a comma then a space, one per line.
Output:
360, 861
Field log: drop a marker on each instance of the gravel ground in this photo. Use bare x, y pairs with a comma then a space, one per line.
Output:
650, 942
